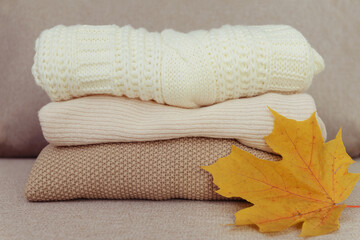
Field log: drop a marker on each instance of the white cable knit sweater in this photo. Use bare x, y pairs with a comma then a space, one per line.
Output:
187, 70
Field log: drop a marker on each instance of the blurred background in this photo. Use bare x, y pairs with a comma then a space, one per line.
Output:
331, 27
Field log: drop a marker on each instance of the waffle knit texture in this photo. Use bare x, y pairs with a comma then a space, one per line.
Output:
188, 70
156, 170
102, 119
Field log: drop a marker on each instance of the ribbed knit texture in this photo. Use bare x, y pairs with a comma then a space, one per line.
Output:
156, 170
101, 119
188, 70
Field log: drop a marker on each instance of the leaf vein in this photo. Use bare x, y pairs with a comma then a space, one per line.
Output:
297, 215
284, 190
308, 168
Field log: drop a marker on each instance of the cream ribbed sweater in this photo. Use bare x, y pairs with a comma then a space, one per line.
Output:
102, 119
188, 70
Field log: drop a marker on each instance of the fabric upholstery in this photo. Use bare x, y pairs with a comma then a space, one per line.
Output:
135, 219
331, 26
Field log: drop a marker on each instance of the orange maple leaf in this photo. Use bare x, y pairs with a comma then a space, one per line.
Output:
305, 186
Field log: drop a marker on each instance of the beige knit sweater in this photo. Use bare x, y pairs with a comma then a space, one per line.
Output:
156, 170
188, 70
102, 119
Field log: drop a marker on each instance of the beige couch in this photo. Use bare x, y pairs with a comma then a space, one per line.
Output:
332, 28
134, 219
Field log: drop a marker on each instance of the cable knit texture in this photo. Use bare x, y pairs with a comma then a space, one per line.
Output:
156, 170
101, 119
187, 70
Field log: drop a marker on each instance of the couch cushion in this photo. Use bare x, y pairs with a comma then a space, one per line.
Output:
136, 219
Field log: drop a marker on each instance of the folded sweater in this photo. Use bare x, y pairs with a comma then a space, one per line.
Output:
181, 69
156, 170
102, 119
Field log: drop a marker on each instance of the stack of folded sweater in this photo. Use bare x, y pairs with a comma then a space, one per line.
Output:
135, 113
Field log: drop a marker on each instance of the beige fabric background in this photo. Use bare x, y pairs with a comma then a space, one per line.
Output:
331, 27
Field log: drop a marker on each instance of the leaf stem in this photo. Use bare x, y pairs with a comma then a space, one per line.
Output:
352, 206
